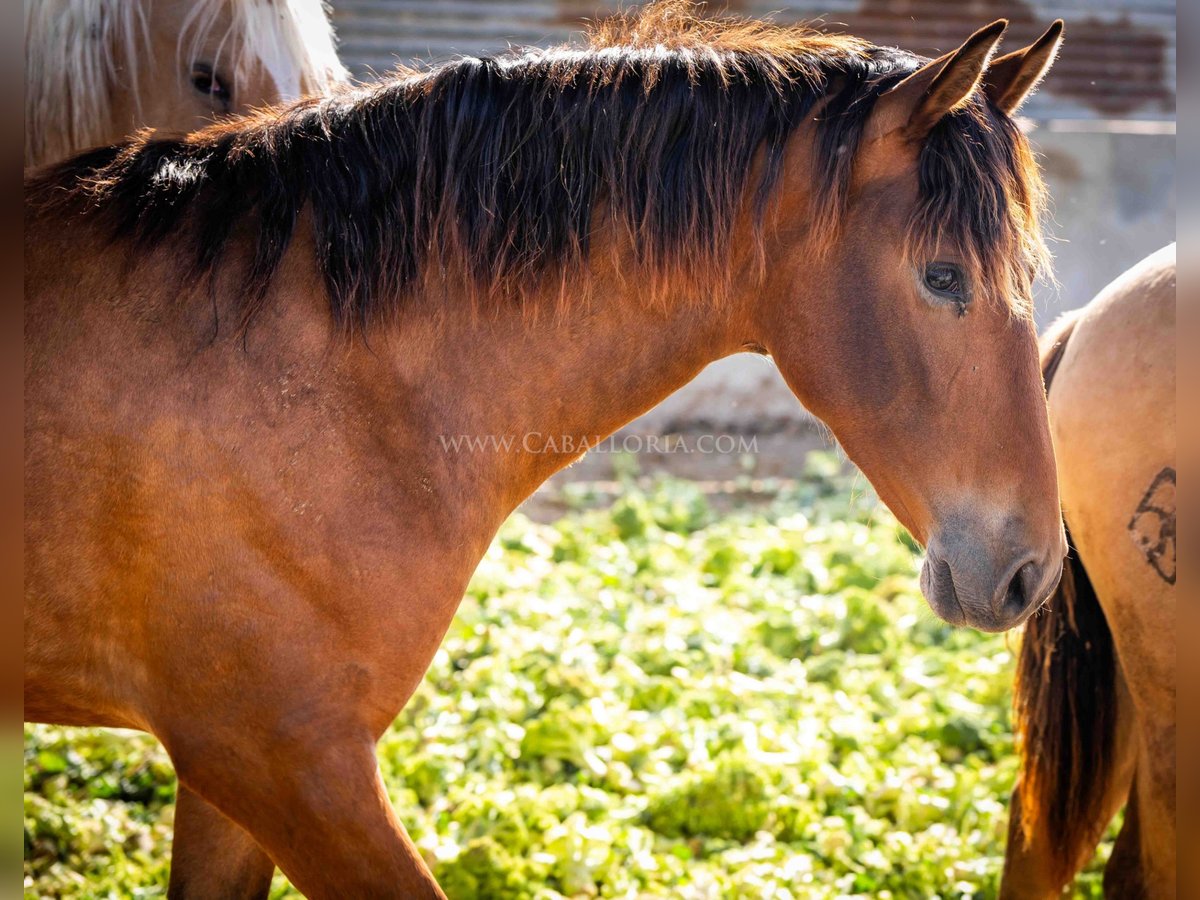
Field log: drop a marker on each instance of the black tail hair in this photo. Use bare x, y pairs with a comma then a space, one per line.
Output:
1065, 696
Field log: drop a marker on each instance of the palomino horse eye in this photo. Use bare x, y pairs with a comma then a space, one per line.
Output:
946, 281
208, 83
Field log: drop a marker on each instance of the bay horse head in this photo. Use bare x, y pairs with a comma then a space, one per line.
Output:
909, 330
97, 71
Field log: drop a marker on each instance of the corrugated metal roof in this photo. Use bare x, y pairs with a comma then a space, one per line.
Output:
1118, 61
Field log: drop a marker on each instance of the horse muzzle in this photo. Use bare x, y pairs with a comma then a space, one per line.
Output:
967, 585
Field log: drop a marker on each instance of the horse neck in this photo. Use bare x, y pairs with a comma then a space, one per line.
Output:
546, 384
578, 370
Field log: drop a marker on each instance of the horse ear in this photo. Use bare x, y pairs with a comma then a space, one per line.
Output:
920, 101
1013, 77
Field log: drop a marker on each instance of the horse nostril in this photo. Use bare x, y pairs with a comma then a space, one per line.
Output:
1017, 595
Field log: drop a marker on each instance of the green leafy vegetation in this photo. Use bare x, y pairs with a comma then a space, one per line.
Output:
648, 700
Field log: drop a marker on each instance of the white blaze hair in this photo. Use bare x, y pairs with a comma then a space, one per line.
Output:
78, 53
291, 39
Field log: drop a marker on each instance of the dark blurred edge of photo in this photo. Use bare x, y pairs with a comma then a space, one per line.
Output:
11, 265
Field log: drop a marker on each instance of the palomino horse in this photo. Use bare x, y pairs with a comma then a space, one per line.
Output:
242, 531
1096, 682
95, 70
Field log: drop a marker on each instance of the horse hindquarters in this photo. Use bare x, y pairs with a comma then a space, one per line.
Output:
1112, 420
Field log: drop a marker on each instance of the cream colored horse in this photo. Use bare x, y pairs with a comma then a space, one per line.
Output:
1096, 686
96, 70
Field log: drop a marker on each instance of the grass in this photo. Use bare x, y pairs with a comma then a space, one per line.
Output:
648, 700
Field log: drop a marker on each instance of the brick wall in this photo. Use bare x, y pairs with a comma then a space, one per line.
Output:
1118, 62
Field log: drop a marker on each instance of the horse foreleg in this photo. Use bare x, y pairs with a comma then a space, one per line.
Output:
214, 857
320, 810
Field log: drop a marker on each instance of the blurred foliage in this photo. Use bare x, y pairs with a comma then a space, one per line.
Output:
648, 700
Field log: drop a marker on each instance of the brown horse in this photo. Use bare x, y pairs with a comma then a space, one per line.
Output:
1096, 684
95, 70
243, 533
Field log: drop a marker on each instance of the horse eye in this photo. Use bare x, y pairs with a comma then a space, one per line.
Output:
208, 83
946, 280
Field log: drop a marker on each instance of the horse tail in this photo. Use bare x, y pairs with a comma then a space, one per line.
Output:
1065, 698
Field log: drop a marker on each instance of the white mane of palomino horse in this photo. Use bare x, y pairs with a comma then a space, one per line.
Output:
95, 70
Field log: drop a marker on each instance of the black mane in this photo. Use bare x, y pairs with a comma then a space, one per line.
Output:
500, 169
